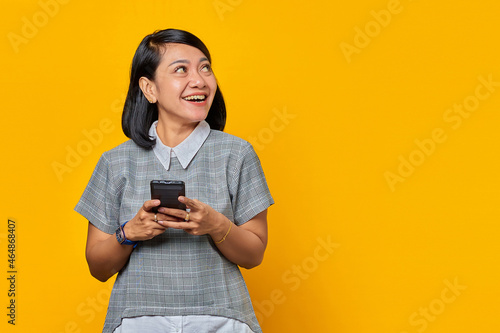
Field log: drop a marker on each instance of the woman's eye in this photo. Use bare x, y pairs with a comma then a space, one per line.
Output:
180, 69
206, 68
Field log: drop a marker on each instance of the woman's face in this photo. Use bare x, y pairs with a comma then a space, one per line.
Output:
184, 85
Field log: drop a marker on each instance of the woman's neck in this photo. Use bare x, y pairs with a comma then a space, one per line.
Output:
172, 134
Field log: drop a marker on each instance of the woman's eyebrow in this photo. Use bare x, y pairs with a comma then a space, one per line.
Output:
185, 61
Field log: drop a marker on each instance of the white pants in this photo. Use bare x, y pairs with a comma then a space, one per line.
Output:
182, 324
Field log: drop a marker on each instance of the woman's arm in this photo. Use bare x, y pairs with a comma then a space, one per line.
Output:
243, 245
105, 256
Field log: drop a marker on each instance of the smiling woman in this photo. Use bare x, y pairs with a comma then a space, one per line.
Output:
177, 269
183, 89
153, 68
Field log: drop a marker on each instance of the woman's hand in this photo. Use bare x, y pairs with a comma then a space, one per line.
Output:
106, 256
144, 226
243, 245
201, 219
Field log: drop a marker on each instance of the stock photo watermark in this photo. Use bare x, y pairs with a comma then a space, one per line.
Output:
295, 276
224, 6
91, 139
12, 271
425, 315
453, 117
75, 154
364, 35
88, 310
277, 124
32, 24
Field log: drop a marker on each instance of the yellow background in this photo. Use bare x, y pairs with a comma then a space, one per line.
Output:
329, 126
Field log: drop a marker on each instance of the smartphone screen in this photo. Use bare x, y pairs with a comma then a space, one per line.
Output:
168, 191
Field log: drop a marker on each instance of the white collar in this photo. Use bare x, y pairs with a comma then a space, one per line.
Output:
184, 151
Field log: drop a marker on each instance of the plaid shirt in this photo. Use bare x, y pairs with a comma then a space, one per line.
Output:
176, 273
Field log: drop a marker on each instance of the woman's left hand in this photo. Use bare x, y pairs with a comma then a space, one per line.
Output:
200, 220
245, 244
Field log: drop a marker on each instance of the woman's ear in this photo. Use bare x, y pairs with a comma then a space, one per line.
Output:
148, 89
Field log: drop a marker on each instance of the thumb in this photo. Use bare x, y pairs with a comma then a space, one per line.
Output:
150, 204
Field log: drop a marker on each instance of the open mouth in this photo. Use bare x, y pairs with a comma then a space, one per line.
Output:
195, 98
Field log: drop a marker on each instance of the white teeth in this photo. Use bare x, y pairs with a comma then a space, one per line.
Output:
195, 97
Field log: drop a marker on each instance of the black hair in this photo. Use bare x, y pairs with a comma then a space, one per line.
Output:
138, 114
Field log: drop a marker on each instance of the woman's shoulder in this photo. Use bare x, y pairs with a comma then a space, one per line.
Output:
125, 151
227, 141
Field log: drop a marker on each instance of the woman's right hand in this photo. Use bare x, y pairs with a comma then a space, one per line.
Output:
143, 226
106, 256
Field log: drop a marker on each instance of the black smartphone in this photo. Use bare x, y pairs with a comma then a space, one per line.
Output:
167, 191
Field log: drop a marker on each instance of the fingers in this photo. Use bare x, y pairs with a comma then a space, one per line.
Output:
160, 216
150, 233
172, 212
196, 222
150, 204
190, 203
176, 225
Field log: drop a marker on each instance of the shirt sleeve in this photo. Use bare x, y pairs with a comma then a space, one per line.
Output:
100, 202
250, 193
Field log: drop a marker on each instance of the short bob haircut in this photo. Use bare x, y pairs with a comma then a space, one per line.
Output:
138, 114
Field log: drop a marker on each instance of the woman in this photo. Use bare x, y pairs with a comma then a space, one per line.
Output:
177, 270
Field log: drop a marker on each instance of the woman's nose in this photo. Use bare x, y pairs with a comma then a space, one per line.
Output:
196, 79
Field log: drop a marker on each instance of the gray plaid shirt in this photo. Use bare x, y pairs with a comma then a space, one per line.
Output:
176, 273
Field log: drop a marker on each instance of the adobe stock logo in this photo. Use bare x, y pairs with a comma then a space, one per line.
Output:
454, 117
364, 36
88, 310
277, 124
295, 276
421, 319
91, 138
31, 26
223, 6
74, 155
